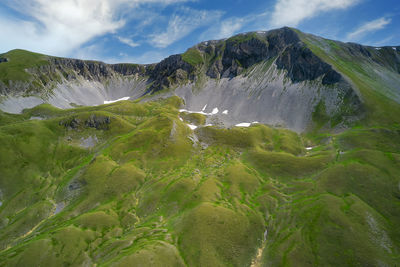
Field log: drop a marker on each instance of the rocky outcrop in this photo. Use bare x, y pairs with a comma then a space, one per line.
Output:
168, 72
71, 69
97, 122
232, 56
301, 65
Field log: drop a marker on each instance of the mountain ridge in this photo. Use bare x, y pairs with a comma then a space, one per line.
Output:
289, 50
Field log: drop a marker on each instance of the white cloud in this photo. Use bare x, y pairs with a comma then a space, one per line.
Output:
292, 12
181, 25
224, 29
370, 26
59, 27
127, 41
230, 26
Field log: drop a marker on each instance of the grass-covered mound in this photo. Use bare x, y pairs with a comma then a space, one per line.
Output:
130, 184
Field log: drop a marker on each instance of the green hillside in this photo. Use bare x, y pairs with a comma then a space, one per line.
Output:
18, 61
130, 184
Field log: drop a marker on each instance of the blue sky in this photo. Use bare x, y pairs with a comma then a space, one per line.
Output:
146, 31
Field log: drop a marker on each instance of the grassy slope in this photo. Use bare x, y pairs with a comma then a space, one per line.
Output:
18, 61
376, 94
146, 194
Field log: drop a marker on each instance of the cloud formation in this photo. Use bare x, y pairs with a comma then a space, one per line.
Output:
371, 26
182, 24
59, 27
292, 12
127, 41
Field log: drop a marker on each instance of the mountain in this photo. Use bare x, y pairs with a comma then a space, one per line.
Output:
274, 148
281, 78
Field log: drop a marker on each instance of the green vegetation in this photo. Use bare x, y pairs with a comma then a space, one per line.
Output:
130, 184
18, 61
319, 116
241, 38
375, 90
193, 57
195, 118
148, 193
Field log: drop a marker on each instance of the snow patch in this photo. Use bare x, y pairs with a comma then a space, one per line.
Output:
378, 48
246, 124
243, 124
309, 148
225, 112
394, 48
190, 111
209, 124
191, 126
214, 111
180, 119
204, 108
113, 101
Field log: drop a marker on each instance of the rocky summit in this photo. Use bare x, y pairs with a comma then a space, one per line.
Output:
269, 148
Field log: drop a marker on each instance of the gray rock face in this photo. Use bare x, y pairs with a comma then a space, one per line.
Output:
15, 104
303, 65
79, 92
268, 97
165, 70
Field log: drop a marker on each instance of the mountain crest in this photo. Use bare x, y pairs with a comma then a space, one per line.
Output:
281, 77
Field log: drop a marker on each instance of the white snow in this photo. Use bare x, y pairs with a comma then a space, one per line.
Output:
204, 108
309, 148
191, 126
243, 124
212, 125
190, 111
215, 111
180, 118
225, 112
113, 101
394, 48
246, 124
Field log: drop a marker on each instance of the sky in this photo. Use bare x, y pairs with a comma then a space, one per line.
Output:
146, 31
